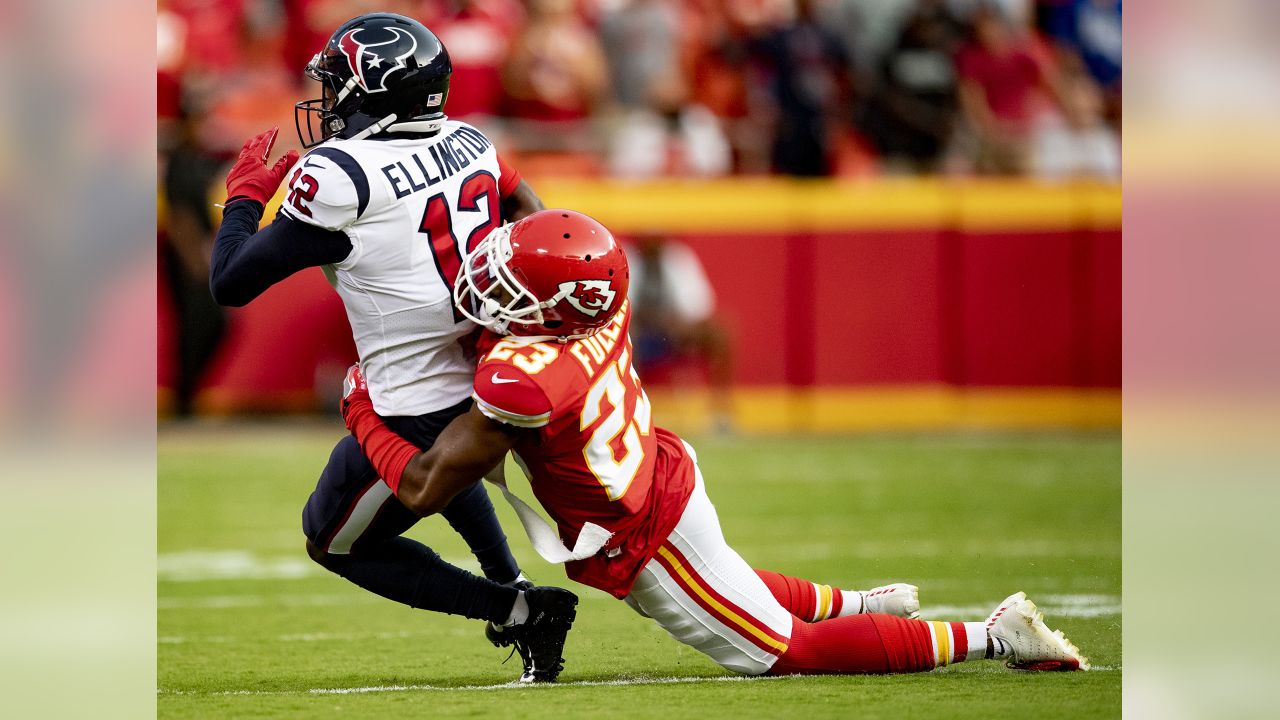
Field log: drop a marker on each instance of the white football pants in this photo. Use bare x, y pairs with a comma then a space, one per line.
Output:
703, 593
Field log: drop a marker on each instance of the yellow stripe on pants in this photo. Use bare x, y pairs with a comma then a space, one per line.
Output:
726, 612
824, 602
944, 642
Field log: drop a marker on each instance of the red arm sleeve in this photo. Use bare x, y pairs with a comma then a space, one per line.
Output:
508, 179
389, 453
508, 395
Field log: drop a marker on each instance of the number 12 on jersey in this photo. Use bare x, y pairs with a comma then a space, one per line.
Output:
437, 224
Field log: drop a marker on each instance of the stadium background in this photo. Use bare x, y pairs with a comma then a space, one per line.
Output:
894, 284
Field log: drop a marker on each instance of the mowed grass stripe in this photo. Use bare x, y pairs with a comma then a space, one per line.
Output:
968, 518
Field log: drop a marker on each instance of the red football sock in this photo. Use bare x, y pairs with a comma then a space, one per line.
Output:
808, 600
857, 644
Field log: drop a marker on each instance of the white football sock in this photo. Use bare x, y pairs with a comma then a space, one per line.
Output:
519, 611
976, 632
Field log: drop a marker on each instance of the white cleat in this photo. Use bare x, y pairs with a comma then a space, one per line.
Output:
898, 599
1020, 625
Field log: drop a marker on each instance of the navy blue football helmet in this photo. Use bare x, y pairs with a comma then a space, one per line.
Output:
379, 73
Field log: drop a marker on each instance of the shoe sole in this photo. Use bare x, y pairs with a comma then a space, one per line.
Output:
1028, 613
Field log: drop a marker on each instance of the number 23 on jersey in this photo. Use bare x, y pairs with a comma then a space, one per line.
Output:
617, 383
615, 468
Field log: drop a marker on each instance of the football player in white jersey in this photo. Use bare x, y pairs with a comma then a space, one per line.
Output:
390, 198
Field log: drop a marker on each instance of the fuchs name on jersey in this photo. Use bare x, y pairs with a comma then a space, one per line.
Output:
592, 351
453, 153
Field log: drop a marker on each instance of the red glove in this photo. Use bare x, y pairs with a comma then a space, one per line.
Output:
250, 178
354, 391
389, 453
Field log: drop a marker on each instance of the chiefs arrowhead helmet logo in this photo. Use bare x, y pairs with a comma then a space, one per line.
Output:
589, 297
372, 59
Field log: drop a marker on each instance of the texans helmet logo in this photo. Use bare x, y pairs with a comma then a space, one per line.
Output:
372, 59
589, 297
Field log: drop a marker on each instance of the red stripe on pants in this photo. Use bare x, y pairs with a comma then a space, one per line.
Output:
714, 611
959, 648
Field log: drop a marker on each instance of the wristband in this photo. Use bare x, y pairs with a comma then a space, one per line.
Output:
389, 453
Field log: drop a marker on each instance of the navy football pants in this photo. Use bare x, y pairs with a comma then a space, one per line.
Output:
356, 522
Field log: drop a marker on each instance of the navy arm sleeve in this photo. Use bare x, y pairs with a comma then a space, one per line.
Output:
247, 261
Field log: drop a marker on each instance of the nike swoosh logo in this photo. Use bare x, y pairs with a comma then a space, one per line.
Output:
503, 381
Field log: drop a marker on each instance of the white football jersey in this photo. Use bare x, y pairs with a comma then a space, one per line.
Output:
412, 208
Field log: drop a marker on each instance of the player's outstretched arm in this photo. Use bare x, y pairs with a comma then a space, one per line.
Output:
247, 261
425, 482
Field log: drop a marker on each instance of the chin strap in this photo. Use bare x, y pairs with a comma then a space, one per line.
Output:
389, 124
347, 87
374, 128
419, 126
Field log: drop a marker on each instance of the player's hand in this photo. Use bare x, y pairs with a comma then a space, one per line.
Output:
355, 391
250, 178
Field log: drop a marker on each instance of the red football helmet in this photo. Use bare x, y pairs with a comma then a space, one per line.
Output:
556, 274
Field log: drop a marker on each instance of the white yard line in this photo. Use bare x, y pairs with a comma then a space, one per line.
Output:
305, 637
638, 680
191, 566
222, 602
218, 602
620, 682
204, 565
1052, 605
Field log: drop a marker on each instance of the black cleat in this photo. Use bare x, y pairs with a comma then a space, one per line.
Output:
539, 640
502, 636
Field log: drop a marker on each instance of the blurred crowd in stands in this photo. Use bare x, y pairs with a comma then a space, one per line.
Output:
699, 88
640, 89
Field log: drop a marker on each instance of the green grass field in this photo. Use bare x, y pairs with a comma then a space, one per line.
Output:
249, 628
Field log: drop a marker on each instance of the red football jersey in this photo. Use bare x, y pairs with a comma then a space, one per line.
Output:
596, 457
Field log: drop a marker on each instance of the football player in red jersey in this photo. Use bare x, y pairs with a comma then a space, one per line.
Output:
556, 387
